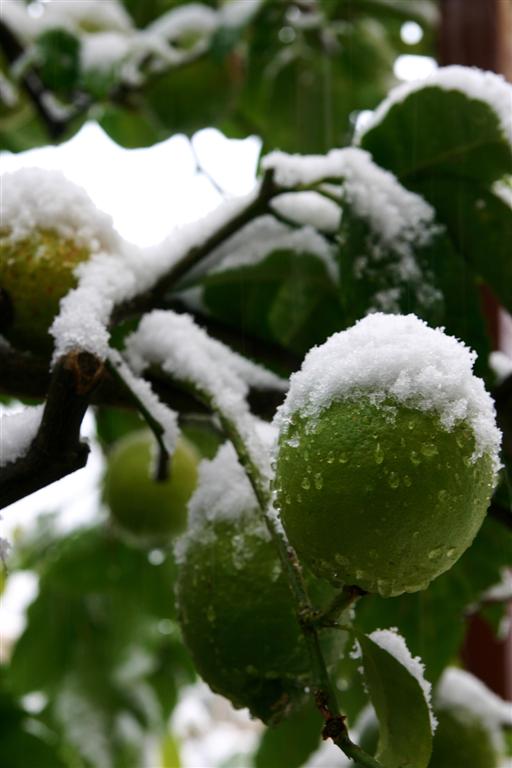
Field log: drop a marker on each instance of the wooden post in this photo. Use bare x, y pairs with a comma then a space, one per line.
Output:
478, 33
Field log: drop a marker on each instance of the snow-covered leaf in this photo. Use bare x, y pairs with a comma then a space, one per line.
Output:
397, 692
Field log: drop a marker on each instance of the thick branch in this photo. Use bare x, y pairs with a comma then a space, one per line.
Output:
56, 450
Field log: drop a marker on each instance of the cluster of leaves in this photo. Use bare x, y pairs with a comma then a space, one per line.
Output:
290, 72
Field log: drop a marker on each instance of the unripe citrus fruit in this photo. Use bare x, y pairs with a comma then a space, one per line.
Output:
139, 505
387, 455
234, 602
48, 227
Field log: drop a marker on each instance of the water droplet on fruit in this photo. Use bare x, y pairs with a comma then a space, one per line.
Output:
379, 454
360, 574
429, 450
305, 483
410, 424
330, 457
384, 587
442, 495
450, 552
407, 481
434, 553
415, 458
319, 481
416, 534
343, 561
393, 480
299, 498
343, 458
293, 442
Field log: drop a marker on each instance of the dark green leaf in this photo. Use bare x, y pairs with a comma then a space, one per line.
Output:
479, 223
405, 734
435, 132
287, 298
58, 56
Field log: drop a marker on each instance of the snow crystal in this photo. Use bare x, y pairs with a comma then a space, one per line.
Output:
397, 357
476, 84
309, 208
468, 698
14, 14
264, 236
141, 389
17, 431
73, 16
34, 198
108, 279
392, 642
502, 591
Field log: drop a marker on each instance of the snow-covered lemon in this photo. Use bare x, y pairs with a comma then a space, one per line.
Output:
387, 455
235, 605
48, 226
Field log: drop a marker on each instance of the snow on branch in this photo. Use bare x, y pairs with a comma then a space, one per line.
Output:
214, 372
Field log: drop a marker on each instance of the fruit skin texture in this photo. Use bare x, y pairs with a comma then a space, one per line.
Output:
380, 496
139, 505
238, 619
36, 273
462, 742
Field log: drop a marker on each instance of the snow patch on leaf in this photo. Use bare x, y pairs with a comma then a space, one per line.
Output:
17, 431
488, 87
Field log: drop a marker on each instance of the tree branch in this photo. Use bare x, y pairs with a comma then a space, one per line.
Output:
56, 450
155, 295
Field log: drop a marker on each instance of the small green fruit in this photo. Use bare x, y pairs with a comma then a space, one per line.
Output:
35, 273
141, 506
387, 455
234, 602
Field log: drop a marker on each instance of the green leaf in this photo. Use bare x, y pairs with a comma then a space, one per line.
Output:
432, 621
291, 742
287, 298
479, 223
454, 135
131, 127
405, 739
58, 56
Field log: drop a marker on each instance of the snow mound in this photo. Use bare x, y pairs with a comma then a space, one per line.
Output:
17, 431
397, 357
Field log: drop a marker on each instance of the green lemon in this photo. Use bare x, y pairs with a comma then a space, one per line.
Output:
139, 505
236, 608
35, 273
462, 741
380, 495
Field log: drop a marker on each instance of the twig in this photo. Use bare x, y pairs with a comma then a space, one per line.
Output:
339, 604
